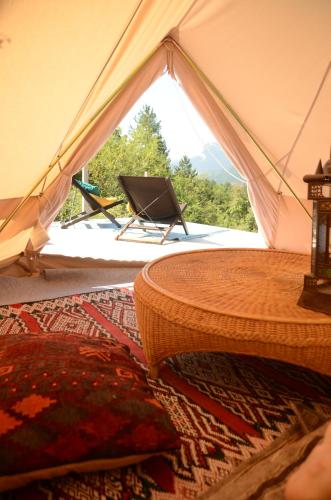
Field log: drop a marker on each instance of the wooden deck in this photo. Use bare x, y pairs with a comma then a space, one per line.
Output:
96, 238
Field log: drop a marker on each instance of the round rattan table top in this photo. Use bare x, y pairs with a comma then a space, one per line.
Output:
245, 283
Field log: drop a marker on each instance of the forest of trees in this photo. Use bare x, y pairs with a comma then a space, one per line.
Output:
144, 149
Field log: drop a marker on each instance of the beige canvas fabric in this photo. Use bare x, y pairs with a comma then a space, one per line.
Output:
51, 55
50, 67
259, 188
270, 61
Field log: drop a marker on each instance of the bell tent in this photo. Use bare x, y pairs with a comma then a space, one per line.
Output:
259, 73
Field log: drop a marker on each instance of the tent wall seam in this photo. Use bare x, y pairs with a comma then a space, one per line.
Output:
304, 122
233, 113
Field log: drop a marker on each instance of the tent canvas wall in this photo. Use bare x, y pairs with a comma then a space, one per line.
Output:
258, 72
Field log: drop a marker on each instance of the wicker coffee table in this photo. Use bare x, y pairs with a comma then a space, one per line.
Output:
230, 300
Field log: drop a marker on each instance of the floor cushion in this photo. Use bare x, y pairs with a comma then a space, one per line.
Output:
69, 403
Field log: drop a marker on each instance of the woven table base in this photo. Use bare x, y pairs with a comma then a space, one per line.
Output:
231, 300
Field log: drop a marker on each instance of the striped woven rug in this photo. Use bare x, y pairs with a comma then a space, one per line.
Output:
225, 407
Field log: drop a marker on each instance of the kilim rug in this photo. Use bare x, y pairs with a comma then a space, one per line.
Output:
225, 407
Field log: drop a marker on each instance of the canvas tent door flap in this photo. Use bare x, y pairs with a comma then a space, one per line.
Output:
260, 82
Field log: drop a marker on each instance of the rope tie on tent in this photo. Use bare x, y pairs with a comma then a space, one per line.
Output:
305, 120
235, 115
45, 178
32, 262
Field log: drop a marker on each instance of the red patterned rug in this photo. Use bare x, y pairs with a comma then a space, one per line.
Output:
225, 407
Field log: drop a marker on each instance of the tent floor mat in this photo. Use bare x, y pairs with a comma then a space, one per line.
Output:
225, 407
54, 283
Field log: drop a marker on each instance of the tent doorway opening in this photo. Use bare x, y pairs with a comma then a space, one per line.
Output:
163, 135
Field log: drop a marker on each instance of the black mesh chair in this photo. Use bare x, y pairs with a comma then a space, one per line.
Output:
154, 205
97, 204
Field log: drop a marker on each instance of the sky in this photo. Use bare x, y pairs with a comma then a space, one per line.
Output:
181, 126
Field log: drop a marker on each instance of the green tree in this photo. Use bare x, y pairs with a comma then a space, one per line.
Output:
194, 190
112, 160
185, 168
147, 147
233, 207
144, 149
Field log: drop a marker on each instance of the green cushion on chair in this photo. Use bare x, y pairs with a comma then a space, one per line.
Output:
89, 187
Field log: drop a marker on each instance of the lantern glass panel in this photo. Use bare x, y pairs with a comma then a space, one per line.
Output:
323, 240
326, 190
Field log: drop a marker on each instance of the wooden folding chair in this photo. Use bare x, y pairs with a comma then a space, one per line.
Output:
154, 205
97, 204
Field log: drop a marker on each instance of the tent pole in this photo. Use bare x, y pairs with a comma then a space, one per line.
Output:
216, 92
55, 161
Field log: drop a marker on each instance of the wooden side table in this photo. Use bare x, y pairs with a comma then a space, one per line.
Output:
231, 300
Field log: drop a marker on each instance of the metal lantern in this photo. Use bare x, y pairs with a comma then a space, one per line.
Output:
316, 292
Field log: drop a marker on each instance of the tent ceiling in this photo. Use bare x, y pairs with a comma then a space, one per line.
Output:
268, 60
54, 55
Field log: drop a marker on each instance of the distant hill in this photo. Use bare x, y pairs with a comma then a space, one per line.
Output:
210, 164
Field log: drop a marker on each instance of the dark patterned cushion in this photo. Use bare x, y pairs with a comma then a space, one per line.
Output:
68, 403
